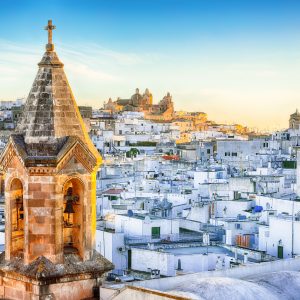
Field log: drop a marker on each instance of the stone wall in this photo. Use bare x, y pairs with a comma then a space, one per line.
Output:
15, 289
43, 198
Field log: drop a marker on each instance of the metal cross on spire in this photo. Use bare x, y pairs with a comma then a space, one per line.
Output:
49, 28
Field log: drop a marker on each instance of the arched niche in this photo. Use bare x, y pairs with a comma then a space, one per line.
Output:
16, 217
73, 191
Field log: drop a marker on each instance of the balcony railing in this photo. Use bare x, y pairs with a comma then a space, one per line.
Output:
166, 238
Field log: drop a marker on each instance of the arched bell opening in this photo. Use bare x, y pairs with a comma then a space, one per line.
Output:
72, 215
17, 218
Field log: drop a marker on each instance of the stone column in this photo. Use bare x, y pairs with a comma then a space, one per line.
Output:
7, 224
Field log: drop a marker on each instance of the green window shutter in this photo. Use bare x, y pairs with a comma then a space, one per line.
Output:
155, 232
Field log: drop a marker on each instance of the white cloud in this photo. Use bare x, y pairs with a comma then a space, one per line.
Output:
94, 53
87, 73
85, 64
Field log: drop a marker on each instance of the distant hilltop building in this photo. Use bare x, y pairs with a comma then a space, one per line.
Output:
294, 122
164, 110
86, 111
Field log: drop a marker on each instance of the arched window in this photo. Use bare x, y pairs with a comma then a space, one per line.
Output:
72, 214
17, 218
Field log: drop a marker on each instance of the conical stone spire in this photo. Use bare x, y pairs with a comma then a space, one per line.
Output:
50, 111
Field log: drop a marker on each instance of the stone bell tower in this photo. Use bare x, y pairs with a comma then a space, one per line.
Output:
49, 167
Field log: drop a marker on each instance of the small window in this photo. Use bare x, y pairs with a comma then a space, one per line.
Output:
234, 154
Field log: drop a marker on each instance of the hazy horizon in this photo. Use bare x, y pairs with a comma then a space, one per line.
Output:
237, 61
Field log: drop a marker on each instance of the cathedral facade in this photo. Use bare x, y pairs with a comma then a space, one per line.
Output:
164, 110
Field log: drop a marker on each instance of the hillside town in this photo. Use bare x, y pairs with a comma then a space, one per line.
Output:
134, 199
178, 194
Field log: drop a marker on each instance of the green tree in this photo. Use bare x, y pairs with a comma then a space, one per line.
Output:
133, 152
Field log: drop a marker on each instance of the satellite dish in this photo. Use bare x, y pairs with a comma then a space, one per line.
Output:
147, 220
129, 213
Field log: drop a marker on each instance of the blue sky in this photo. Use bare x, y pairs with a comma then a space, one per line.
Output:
239, 61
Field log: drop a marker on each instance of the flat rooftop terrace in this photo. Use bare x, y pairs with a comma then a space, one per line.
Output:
178, 251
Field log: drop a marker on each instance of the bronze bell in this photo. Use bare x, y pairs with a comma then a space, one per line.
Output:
21, 211
20, 207
69, 207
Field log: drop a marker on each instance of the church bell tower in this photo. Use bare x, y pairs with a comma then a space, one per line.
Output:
49, 168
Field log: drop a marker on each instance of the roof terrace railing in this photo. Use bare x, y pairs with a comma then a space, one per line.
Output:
166, 238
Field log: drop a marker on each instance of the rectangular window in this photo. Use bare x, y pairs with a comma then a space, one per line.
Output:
265, 145
155, 232
234, 154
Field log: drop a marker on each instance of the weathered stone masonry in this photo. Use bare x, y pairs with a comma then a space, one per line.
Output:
49, 167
